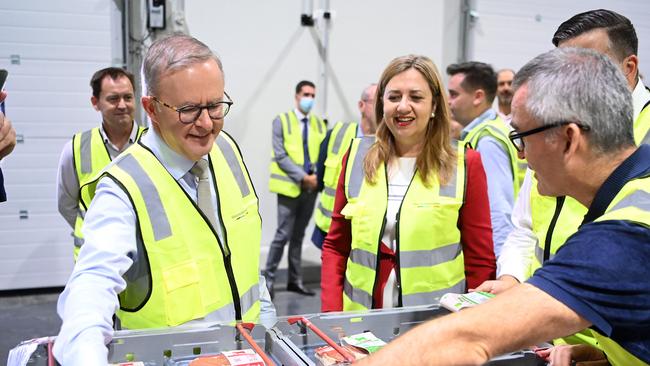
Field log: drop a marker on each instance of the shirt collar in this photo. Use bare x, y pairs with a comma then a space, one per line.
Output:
299, 114
132, 136
640, 97
487, 115
176, 164
634, 166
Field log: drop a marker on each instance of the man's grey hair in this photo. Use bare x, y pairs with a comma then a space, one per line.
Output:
365, 95
583, 86
172, 53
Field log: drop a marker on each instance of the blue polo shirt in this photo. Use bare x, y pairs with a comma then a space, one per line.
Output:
602, 271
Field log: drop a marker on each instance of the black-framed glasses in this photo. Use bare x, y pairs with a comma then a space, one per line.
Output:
190, 113
517, 137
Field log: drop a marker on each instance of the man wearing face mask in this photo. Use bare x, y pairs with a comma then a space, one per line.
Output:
297, 136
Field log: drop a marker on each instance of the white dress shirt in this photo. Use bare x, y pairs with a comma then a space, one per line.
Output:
518, 249
89, 300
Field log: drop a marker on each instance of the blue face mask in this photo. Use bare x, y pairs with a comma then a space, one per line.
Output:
306, 104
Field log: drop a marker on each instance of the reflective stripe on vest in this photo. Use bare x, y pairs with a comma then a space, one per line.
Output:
616, 355
90, 156
180, 272
498, 130
279, 181
340, 138
430, 259
642, 126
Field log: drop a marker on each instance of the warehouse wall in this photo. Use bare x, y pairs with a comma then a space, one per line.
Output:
265, 52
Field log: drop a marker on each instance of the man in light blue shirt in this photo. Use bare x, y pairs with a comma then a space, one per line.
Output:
183, 72
472, 87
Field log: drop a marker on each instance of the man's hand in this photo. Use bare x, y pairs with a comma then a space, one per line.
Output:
309, 183
504, 282
569, 355
7, 136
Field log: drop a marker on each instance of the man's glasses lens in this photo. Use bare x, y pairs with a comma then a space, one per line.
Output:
192, 113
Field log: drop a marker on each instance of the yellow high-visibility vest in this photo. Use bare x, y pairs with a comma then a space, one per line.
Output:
280, 182
183, 270
429, 252
90, 157
340, 138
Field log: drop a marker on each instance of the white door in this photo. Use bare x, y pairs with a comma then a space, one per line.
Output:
51, 49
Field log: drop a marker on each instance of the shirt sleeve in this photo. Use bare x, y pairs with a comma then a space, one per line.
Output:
336, 250
268, 316
517, 251
474, 225
601, 274
498, 171
293, 170
89, 299
67, 189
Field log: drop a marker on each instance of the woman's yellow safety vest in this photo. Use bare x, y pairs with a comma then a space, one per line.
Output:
429, 253
183, 271
280, 182
90, 157
342, 134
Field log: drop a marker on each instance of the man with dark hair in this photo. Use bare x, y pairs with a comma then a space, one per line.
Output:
573, 121
297, 136
472, 87
90, 151
7, 143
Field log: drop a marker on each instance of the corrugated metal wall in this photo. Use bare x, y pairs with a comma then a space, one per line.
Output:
51, 48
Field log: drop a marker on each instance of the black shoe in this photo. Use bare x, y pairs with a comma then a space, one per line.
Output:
293, 287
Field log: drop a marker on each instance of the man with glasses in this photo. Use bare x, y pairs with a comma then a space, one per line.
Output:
90, 151
297, 136
542, 224
598, 279
173, 231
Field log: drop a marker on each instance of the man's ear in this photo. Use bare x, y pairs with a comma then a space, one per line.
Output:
574, 139
479, 97
149, 106
630, 68
94, 101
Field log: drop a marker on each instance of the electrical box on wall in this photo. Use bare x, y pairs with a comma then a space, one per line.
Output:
156, 14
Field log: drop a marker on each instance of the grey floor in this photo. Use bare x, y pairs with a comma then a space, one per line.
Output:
30, 314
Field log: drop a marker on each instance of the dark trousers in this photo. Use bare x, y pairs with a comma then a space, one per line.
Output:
293, 216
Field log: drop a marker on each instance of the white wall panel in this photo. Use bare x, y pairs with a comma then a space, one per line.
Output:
51, 49
509, 33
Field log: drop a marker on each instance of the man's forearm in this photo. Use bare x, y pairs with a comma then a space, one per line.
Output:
473, 336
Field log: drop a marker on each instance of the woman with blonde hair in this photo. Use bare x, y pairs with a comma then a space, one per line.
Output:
411, 219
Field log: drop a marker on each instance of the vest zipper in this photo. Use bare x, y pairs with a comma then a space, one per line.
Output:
549, 233
398, 268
